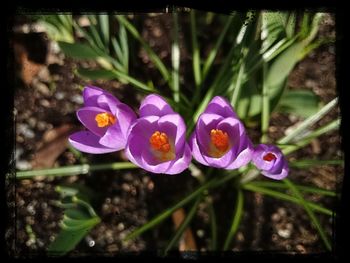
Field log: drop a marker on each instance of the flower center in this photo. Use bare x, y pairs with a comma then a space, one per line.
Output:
269, 157
160, 142
105, 119
161, 146
220, 139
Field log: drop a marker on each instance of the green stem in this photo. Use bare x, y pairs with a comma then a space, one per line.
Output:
74, 170
237, 215
214, 231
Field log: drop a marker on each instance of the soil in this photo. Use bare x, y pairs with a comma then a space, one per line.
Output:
127, 199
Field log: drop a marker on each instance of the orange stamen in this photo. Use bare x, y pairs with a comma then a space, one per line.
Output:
160, 142
269, 157
220, 140
105, 119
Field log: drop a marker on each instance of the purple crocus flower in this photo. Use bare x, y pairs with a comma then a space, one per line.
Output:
219, 139
157, 140
270, 160
107, 121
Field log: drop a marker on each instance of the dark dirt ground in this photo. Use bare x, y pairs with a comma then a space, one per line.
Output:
47, 99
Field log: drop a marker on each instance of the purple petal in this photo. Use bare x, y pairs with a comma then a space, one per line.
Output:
113, 138
151, 164
86, 141
87, 117
182, 163
206, 122
108, 102
258, 158
221, 106
174, 126
196, 152
221, 162
276, 169
90, 94
154, 105
138, 138
279, 176
126, 117
244, 154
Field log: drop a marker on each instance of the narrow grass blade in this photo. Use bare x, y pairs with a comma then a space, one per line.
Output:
155, 59
167, 212
237, 215
327, 128
309, 122
123, 39
175, 239
311, 214
310, 163
285, 197
210, 59
265, 111
213, 227
103, 22
94, 33
196, 62
238, 84
136, 83
213, 183
74, 170
175, 61
307, 189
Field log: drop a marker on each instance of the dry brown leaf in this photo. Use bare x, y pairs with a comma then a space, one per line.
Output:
29, 69
187, 241
54, 143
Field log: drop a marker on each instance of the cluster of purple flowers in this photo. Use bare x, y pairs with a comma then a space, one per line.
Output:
156, 141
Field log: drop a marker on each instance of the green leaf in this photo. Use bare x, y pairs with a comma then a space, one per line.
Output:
272, 28
78, 214
300, 102
96, 74
78, 50
283, 65
78, 220
290, 26
309, 122
68, 238
305, 141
